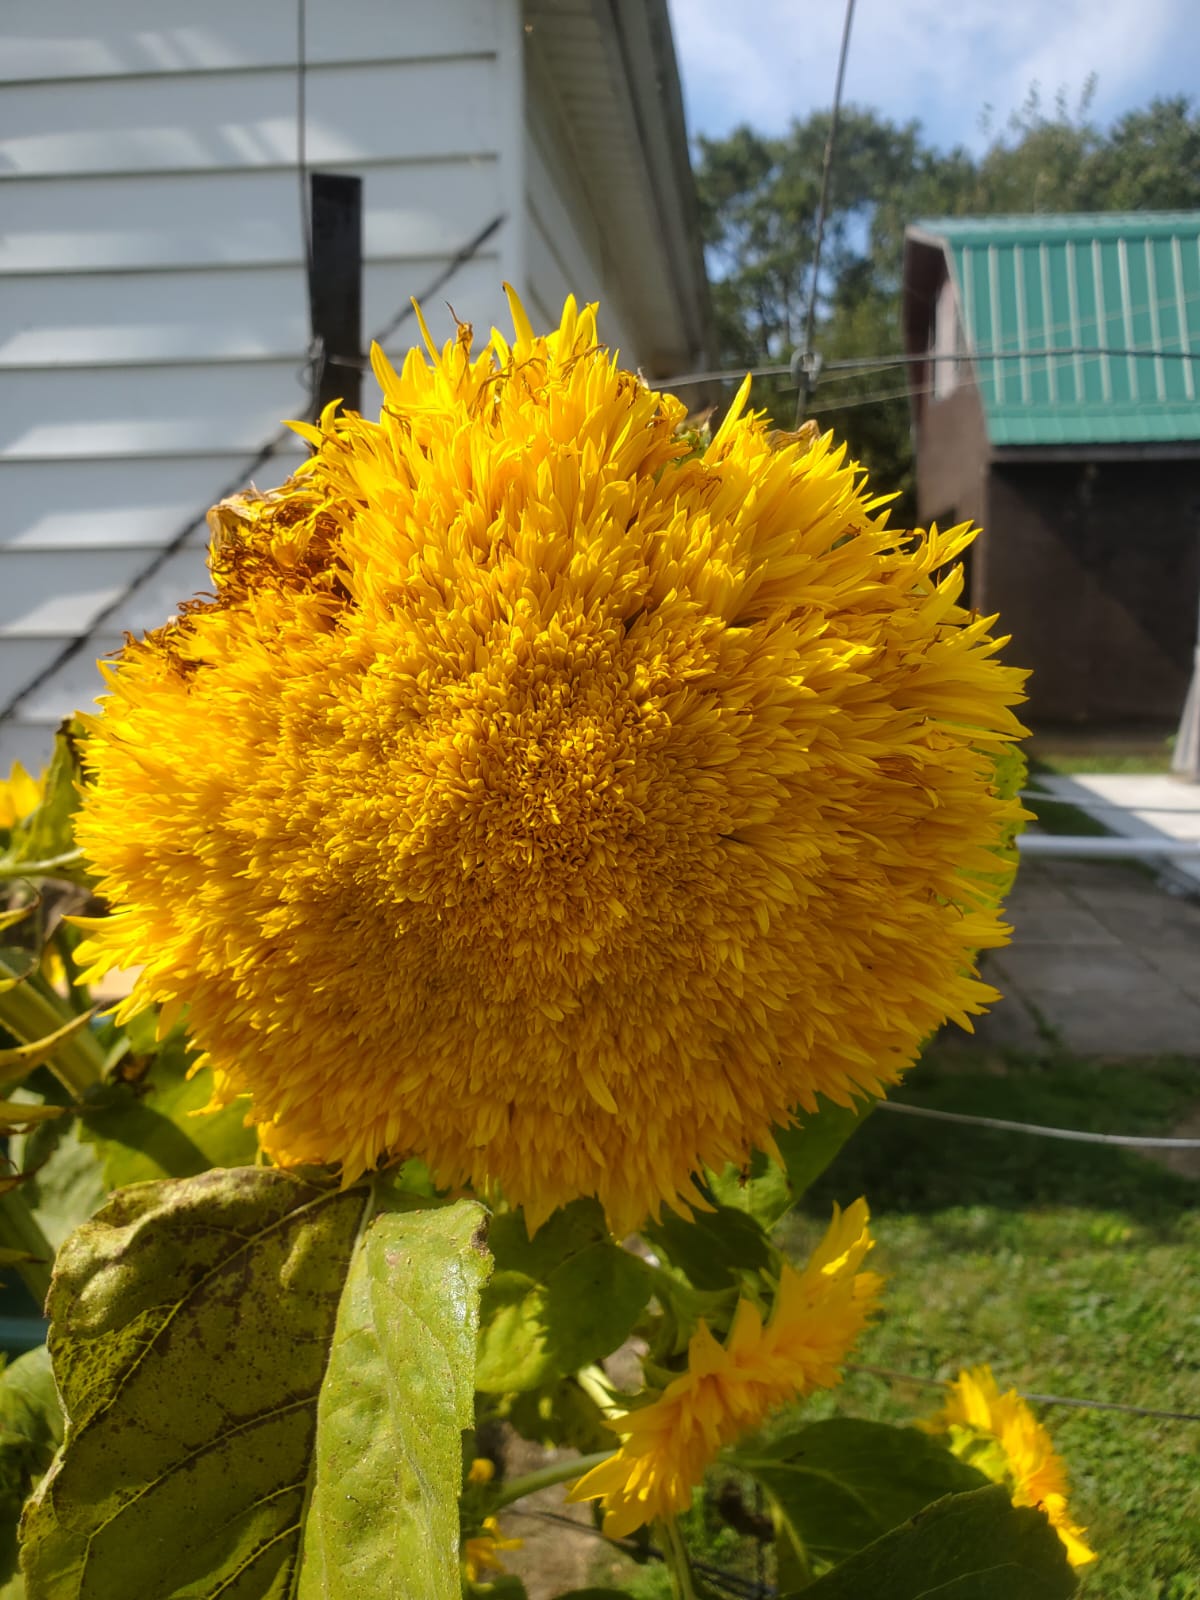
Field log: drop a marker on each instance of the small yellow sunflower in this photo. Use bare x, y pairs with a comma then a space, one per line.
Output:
550, 798
1001, 1436
730, 1388
19, 795
481, 1552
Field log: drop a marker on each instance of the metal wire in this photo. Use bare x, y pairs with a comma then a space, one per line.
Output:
852, 365
1028, 1394
1085, 802
810, 321
302, 139
1131, 1141
720, 1577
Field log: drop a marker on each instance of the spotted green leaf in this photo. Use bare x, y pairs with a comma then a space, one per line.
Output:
265, 1384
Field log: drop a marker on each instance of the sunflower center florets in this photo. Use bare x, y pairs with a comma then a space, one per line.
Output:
526, 812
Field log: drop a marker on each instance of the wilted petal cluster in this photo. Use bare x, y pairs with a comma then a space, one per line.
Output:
549, 797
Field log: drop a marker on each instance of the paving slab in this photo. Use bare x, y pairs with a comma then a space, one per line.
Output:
1104, 961
1074, 926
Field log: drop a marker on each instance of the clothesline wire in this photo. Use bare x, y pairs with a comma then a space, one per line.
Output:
855, 364
743, 1588
1131, 1141
1027, 1394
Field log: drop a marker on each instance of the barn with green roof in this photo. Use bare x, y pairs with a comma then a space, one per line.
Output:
1054, 369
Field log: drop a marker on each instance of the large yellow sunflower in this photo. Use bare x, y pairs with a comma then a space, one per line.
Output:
550, 799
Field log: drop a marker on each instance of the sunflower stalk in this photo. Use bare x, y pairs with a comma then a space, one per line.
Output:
546, 1477
50, 867
675, 1559
29, 1014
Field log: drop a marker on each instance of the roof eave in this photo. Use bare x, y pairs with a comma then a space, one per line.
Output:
622, 104
642, 57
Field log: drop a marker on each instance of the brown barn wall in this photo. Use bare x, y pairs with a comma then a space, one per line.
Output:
952, 474
1095, 570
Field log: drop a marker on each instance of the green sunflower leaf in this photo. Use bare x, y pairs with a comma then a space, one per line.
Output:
764, 1189
30, 1432
713, 1248
975, 1546
558, 1301
561, 1415
45, 839
265, 1384
158, 1128
840, 1484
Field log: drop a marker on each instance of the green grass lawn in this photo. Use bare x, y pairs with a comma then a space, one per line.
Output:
1079, 755
1072, 1269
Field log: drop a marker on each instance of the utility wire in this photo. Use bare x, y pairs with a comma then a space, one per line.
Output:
875, 398
313, 370
853, 365
1131, 1141
810, 321
733, 1582
1028, 1394
73, 646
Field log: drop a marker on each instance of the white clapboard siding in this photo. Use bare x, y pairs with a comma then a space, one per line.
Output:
108, 319
565, 250
77, 682
57, 39
209, 121
205, 219
147, 411
238, 314
153, 310
105, 503
84, 581
153, 304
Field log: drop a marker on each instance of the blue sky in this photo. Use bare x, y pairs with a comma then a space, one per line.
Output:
941, 61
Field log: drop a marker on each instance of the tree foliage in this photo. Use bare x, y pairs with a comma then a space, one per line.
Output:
759, 197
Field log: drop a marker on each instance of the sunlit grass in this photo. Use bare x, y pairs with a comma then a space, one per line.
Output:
1072, 1269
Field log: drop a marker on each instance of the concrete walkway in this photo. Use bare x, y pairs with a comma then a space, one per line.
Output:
1104, 961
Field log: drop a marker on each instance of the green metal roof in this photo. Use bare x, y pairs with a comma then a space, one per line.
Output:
1085, 329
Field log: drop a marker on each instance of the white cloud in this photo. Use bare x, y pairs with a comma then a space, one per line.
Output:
765, 60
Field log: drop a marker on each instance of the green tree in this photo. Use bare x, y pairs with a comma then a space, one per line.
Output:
759, 198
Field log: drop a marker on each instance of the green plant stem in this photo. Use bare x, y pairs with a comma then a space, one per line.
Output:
675, 1559
30, 1015
546, 1477
77, 995
40, 869
19, 1230
594, 1384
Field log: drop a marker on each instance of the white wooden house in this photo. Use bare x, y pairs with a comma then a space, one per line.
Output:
153, 306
